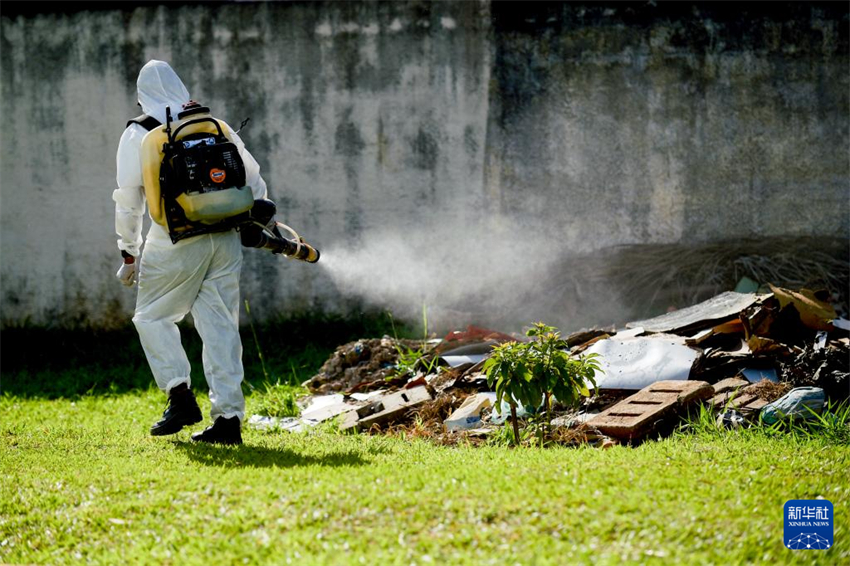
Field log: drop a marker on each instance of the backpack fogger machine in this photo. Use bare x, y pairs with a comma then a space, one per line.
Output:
195, 184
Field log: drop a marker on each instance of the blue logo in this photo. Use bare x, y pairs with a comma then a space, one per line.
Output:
808, 524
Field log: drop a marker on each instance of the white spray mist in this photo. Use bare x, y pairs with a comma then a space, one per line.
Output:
463, 274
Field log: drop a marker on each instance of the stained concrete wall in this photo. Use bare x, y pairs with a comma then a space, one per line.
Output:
588, 125
689, 123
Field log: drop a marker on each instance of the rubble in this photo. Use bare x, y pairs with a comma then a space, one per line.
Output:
740, 353
364, 361
384, 409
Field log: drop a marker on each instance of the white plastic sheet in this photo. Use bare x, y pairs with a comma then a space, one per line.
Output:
634, 363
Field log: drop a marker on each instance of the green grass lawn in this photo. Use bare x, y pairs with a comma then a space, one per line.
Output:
83, 482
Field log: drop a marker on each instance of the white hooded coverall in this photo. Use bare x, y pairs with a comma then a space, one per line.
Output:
198, 275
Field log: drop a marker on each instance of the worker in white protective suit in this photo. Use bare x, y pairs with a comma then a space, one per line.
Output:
198, 274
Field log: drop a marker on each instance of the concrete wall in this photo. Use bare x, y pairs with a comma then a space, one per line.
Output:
684, 124
585, 125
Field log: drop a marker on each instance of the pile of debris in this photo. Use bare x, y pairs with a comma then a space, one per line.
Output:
740, 353
358, 363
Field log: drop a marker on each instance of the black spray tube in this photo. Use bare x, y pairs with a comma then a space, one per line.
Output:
303, 251
259, 230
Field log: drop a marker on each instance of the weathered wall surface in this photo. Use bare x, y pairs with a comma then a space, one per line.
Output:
685, 124
585, 125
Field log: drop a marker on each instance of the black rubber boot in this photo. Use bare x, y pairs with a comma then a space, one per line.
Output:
223, 431
182, 410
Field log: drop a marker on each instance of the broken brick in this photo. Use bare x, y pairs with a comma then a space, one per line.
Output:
725, 390
738, 400
731, 384
385, 409
647, 410
731, 393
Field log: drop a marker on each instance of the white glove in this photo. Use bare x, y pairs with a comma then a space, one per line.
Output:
127, 274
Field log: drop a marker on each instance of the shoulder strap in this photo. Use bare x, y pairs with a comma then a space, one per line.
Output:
145, 121
200, 121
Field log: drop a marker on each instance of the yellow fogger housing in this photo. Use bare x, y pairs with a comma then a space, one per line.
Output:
204, 208
211, 208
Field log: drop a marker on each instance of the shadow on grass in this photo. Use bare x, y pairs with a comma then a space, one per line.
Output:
94, 362
245, 456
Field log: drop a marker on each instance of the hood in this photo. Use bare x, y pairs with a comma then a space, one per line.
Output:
159, 86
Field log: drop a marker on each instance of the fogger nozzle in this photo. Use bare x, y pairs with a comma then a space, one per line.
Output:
261, 231
297, 250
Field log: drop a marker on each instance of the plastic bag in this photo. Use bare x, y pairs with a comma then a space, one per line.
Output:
799, 402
